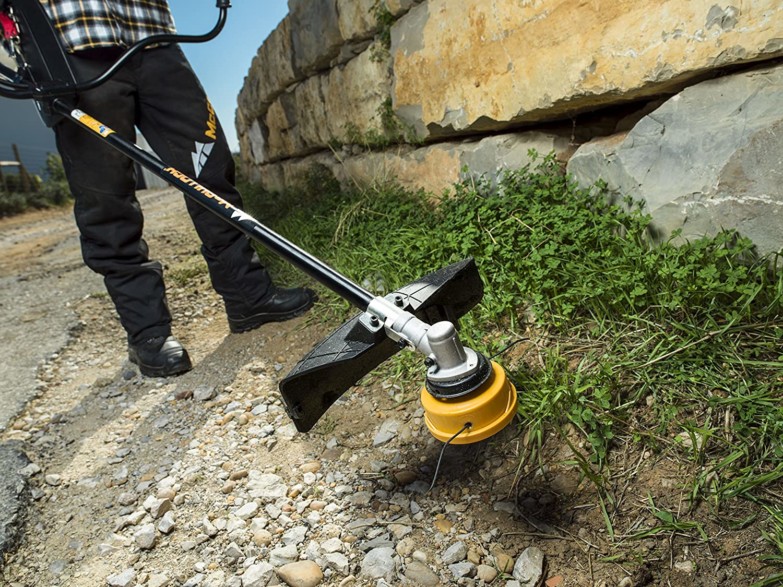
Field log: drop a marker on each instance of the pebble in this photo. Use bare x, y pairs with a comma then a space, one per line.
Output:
454, 553
463, 569
124, 579
300, 574
529, 568
158, 580
386, 433
379, 563
419, 573
283, 555
247, 511
167, 523
204, 393
145, 537
257, 575
486, 573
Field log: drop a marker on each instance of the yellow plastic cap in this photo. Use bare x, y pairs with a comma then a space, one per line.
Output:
489, 409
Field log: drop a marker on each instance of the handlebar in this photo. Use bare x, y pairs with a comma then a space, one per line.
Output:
25, 91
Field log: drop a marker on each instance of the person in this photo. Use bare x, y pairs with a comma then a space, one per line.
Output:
157, 92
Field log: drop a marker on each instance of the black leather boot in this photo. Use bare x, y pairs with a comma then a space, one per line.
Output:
160, 357
278, 305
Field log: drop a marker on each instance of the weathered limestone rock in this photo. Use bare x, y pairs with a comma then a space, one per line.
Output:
324, 109
434, 169
271, 72
315, 33
397, 7
708, 158
476, 65
356, 19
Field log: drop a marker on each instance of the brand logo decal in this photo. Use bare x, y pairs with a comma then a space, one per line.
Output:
201, 155
211, 131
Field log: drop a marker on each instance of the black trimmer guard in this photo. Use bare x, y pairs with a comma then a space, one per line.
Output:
357, 347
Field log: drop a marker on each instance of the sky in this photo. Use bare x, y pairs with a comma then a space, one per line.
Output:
221, 65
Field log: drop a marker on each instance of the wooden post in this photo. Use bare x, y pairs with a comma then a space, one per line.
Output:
2, 180
23, 176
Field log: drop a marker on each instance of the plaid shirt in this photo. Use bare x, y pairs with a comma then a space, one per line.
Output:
91, 24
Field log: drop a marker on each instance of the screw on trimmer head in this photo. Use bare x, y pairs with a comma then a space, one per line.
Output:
467, 398
483, 410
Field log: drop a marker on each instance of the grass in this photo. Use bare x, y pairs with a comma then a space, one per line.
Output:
47, 193
672, 346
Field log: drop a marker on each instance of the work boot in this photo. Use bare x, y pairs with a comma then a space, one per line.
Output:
278, 305
160, 356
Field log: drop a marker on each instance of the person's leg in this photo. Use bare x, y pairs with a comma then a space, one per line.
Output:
110, 221
180, 125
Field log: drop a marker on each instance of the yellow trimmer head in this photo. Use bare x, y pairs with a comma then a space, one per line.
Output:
479, 414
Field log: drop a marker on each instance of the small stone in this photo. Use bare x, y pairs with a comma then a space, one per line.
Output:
209, 528
463, 569
266, 486
262, 538
247, 511
124, 579
419, 573
294, 536
405, 477
337, 561
312, 467
30, 470
257, 575
127, 498
301, 574
454, 553
685, 566
237, 475
386, 433
503, 562
529, 567
145, 537
167, 493
167, 523
233, 552
204, 393
228, 487
443, 525
379, 563
157, 507
53, 480
158, 580
486, 573
283, 555
555, 581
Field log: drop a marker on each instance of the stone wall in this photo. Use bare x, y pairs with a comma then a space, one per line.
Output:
419, 89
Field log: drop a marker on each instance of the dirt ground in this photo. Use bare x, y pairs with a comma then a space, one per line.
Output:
105, 441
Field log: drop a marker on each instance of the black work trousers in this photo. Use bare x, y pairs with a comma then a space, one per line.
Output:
158, 93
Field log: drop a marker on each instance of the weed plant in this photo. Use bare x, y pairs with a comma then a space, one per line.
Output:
682, 339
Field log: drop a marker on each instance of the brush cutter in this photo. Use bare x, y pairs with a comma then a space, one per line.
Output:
466, 397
